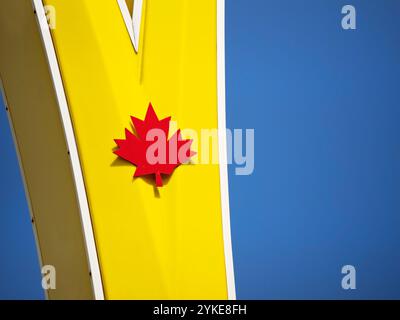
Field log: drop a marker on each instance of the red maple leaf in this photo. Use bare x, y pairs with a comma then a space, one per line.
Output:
150, 150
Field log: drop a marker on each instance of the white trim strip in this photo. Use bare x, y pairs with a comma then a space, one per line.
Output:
133, 22
223, 161
136, 21
71, 143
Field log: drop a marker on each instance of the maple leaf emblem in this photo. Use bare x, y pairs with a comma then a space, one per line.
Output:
150, 150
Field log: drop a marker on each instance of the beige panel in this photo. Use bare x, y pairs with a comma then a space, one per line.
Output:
41, 144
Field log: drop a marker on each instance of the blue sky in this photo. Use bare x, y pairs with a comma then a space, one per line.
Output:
324, 103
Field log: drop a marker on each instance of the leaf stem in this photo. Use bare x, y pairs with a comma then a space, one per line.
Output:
159, 182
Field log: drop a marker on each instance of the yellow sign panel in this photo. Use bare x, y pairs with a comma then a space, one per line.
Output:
151, 242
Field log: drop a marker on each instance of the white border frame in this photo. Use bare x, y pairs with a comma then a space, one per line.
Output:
73, 150
223, 153
133, 22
